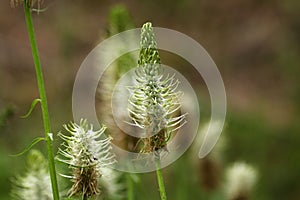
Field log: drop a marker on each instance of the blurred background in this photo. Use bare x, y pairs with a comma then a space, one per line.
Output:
255, 44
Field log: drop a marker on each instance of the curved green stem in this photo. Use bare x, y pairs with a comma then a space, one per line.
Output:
43, 98
161, 185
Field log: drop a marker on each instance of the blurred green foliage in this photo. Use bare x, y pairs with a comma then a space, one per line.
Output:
7, 113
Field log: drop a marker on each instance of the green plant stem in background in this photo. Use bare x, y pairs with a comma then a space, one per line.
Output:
129, 183
85, 197
160, 179
43, 98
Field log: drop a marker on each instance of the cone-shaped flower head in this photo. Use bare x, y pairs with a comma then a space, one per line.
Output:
35, 184
154, 101
86, 153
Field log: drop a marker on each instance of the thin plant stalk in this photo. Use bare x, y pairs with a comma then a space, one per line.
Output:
85, 197
43, 98
130, 189
161, 185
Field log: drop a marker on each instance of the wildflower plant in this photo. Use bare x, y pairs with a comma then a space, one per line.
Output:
119, 20
35, 184
48, 136
154, 101
86, 153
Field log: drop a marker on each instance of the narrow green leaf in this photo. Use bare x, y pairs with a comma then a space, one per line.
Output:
34, 142
33, 104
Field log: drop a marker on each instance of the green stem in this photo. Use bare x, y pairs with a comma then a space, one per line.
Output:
43, 98
85, 197
162, 191
129, 181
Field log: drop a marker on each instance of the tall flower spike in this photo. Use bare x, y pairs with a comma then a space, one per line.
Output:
154, 101
86, 154
36, 183
119, 20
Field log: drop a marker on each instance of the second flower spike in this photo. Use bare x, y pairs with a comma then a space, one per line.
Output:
87, 153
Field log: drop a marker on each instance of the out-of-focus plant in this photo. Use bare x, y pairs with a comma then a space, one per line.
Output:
110, 184
209, 168
5, 115
240, 177
35, 183
240, 180
119, 20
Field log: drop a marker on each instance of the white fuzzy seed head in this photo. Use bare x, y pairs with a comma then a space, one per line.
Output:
241, 178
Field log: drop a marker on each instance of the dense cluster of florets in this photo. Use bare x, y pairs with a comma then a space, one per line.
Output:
154, 101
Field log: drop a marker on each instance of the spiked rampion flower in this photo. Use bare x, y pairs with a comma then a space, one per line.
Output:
35, 184
154, 101
86, 154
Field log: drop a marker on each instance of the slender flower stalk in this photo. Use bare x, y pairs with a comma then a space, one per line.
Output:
87, 154
28, 4
160, 180
154, 102
130, 187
